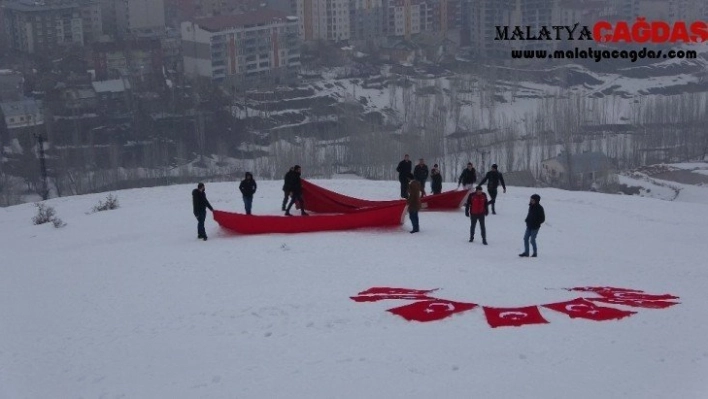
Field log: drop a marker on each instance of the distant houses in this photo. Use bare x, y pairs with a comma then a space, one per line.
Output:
583, 171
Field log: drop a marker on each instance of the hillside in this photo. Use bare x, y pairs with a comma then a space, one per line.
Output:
127, 303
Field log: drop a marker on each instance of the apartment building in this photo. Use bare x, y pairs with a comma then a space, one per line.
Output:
408, 17
324, 20
40, 27
366, 19
91, 19
140, 60
242, 49
123, 19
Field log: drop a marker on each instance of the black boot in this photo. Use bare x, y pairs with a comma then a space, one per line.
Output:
524, 255
472, 239
484, 241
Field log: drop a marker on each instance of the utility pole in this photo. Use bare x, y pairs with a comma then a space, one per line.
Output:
42, 167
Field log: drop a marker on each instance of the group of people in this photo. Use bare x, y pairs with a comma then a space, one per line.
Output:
412, 189
477, 203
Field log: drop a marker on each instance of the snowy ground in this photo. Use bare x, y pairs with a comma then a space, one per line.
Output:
128, 304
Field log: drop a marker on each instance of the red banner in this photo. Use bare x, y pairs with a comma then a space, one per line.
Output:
380, 293
513, 317
584, 309
425, 311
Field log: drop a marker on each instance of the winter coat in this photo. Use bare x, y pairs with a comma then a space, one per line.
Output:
494, 177
421, 172
414, 196
288, 178
293, 183
468, 176
535, 217
248, 187
200, 202
436, 184
404, 169
477, 204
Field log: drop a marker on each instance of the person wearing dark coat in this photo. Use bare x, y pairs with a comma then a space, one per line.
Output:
476, 208
405, 168
414, 205
286, 189
248, 187
200, 205
435, 180
467, 177
493, 177
534, 220
295, 185
421, 174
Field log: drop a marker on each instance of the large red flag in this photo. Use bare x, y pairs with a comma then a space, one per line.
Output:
425, 311
380, 293
624, 293
504, 317
584, 309
637, 303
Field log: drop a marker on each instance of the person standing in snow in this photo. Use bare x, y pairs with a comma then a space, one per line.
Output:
435, 180
414, 193
405, 167
248, 187
286, 189
200, 205
534, 220
421, 174
467, 177
494, 177
295, 185
476, 208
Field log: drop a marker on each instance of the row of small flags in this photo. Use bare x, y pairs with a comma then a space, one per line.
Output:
428, 308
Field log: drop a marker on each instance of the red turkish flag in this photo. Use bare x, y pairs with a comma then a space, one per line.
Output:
584, 309
505, 317
380, 293
600, 290
425, 311
637, 303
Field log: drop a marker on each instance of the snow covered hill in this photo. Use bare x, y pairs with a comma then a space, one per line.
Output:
128, 304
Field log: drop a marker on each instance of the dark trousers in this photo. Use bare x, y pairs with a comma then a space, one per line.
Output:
201, 217
404, 187
247, 202
296, 197
493, 197
285, 199
530, 235
414, 220
473, 225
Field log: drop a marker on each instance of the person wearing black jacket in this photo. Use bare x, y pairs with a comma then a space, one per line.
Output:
286, 189
421, 174
248, 187
295, 185
534, 220
494, 177
200, 205
405, 168
435, 180
467, 177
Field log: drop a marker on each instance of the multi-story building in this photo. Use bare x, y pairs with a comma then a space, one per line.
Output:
242, 49
91, 19
366, 19
324, 20
408, 17
39, 27
139, 60
688, 10
133, 18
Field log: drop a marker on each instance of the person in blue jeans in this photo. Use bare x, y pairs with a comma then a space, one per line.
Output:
248, 187
534, 220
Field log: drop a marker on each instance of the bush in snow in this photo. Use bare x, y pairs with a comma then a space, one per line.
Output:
46, 214
111, 203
